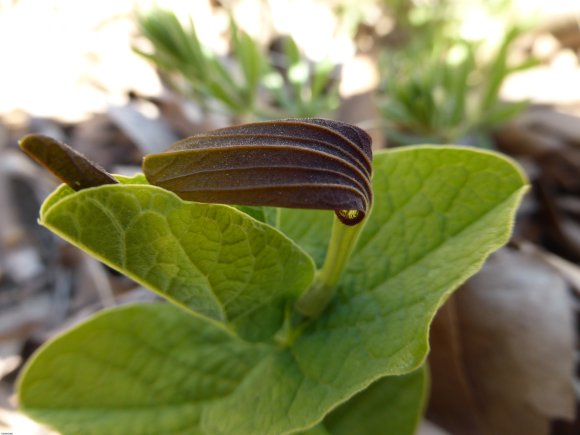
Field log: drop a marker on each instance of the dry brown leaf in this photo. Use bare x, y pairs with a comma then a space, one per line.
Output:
518, 139
569, 204
515, 326
571, 230
452, 404
561, 169
570, 271
560, 231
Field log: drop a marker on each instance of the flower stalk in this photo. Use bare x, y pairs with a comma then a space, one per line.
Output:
342, 243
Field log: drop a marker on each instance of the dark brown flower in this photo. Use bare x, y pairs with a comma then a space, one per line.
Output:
295, 163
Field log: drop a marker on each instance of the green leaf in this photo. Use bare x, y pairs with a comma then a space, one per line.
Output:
503, 112
392, 405
291, 51
274, 83
250, 59
309, 228
267, 215
211, 259
157, 369
498, 70
220, 93
147, 368
223, 77
316, 430
321, 78
438, 212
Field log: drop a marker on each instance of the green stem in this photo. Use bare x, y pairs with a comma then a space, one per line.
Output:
278, 217
342, 243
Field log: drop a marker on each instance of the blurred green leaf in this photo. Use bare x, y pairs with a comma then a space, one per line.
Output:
299, 89
371, 412
448, 91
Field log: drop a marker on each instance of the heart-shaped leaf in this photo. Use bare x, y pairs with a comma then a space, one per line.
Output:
439, 211
155, 368
211, 259
134, 370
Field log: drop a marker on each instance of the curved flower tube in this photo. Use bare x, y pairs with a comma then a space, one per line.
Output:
294, 163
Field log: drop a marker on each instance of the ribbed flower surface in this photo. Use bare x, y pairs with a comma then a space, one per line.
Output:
295, 163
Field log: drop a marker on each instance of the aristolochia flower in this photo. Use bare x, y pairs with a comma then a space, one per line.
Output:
295, 163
